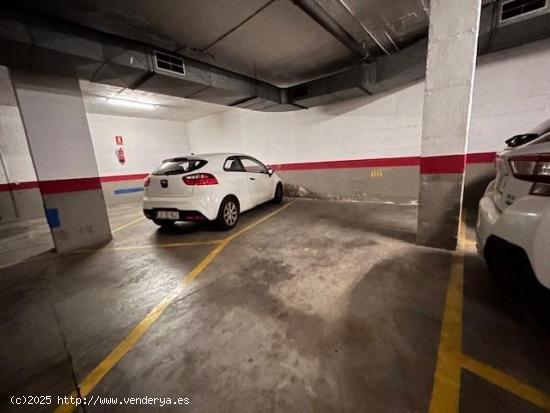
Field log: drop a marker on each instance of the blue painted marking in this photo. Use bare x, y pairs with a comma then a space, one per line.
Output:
127, 190
52, 215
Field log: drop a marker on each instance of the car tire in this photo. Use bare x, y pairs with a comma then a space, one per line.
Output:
228, 214
278, 198
164, 223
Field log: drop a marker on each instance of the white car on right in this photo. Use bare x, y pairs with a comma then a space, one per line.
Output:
513, 227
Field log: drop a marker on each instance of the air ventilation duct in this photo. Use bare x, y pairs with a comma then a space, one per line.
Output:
386, 73
48, 45
530, 22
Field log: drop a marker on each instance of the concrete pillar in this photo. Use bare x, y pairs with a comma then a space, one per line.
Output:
61, 148
452, 51
19, 195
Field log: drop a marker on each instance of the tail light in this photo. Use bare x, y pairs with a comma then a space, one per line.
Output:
200, 179
534, 168
146, 181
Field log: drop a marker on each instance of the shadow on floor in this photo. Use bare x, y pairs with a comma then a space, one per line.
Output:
164, 234
377, 355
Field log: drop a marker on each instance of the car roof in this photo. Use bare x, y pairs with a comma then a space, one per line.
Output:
541, 128
218, 154
207, 155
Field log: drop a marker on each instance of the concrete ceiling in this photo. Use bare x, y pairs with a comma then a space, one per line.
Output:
277, 41
166, 107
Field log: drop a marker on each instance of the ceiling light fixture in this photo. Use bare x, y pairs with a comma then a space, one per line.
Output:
131, 104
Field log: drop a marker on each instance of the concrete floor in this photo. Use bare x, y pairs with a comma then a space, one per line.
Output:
325, 307
20, 240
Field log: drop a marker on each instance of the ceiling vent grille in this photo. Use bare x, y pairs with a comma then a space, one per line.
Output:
516, 8
168, 63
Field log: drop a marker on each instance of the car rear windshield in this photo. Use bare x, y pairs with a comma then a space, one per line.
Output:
179, 166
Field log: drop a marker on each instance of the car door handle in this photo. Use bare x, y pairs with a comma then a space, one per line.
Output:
252, 179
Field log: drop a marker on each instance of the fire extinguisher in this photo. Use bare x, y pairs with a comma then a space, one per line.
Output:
120, 155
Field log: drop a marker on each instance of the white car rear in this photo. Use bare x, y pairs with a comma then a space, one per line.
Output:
513, 228
213, 187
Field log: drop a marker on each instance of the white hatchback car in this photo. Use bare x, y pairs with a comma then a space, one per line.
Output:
513, 228
214, 187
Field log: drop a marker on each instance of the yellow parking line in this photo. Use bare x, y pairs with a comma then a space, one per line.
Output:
258, 222
98, 373
170, 245
450, 359
470, 245
187, 244
446, 386
138, 247
507, 382
127, 225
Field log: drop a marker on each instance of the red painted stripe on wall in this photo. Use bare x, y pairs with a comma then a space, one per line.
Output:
69, 185
118, 178
18, 186
444, 164
453, 164
59, 186
354, 163
482, 157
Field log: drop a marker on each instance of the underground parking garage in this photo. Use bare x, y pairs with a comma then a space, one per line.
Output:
275, 206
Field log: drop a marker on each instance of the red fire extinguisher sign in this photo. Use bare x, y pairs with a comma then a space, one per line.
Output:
119, 140
120, 155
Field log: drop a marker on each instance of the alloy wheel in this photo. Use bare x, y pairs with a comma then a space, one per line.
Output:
230, 213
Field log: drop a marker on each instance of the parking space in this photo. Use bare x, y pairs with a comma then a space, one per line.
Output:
313, 305
21, 240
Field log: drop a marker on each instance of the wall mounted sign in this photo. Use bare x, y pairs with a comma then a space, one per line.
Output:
119, 140
121, 156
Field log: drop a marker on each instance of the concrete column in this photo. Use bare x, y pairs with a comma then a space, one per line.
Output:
19, 195
61, 148
452, 51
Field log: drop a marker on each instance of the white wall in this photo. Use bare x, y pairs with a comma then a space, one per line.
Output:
146, 142
13, 142
370, 127
220, 132
55, 122
14, 148
511, 95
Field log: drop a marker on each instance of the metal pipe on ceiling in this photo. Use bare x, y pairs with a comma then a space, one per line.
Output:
365, 28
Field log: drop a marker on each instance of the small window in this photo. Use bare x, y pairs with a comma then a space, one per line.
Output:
254, 166
179, 166
515, 8
233, 164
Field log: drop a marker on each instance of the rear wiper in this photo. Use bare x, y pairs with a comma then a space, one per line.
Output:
522, 139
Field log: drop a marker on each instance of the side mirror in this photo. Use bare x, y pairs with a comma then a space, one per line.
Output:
270, 171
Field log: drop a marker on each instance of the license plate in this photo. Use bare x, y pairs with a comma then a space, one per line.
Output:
168, 215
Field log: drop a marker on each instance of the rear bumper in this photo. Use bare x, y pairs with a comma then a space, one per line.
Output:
206, 206
183, 215
525, 224
488, 215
